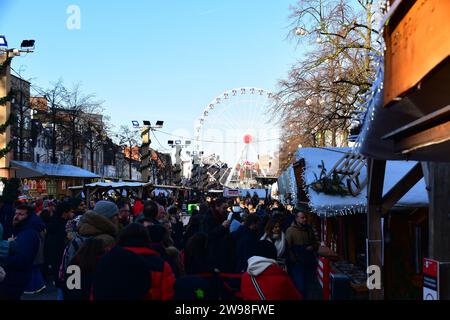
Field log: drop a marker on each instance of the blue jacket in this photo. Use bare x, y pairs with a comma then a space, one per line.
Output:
19, 266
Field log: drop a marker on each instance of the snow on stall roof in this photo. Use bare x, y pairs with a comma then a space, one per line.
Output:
324, 204
115, 184
39, 169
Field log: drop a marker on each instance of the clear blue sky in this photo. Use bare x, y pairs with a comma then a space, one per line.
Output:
154, 59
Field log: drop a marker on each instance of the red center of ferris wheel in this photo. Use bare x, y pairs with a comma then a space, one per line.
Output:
248, 139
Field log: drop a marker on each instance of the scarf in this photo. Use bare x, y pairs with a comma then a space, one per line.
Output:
280, 244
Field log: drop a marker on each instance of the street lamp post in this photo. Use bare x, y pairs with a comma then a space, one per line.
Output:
6, 55
146, 163
178, 145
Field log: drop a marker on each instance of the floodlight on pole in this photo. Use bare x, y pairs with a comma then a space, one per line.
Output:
146, 123
28, 44
3, 42
159, 124
135, 123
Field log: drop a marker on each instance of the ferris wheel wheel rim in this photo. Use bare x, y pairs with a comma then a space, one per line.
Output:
214, 102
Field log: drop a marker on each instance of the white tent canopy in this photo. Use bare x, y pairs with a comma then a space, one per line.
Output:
324, 204
115, 185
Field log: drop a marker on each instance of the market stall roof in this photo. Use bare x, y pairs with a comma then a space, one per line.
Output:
417, 111
115, 185
35, 170
324, 204
166, 186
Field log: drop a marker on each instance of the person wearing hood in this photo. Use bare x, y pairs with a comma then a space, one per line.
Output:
18, 268
264, 279
101, 223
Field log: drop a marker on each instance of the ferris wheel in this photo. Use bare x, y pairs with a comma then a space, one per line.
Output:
239, 128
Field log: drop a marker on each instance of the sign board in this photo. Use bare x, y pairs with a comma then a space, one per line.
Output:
430, 279
230, 193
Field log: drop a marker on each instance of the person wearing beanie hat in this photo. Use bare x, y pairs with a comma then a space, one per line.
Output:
264, 279
107, 209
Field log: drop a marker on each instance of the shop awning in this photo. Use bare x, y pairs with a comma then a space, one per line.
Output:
324, 204
36, 170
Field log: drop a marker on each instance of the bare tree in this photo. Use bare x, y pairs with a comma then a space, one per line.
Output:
94, 136
129, 140
76, 106
49, 111
318, 99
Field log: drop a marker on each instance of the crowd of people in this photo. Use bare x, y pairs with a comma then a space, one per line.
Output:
241, 248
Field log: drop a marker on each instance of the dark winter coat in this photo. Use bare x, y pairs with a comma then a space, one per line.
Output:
6, 218
55, 242
273, 281
162, 252
121, 275
299, 238
19, 266
245, 244
160, 272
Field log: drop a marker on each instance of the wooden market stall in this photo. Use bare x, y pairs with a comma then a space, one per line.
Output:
46, 179
410, 119
333, 183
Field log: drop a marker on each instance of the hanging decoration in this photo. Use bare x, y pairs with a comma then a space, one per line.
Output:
328, 184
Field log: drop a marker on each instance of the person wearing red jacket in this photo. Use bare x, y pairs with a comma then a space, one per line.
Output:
135, 238
264, 279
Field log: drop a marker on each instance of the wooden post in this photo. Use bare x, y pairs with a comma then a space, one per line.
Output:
437, 176
376, 172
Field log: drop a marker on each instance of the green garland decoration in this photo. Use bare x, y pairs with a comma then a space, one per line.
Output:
328, 185
5, 151
9, 122
6, 99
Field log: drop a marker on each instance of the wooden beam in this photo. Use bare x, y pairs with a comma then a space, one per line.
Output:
423, 123
431, 129
438, 177
402, 187
432, 136
376, 172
